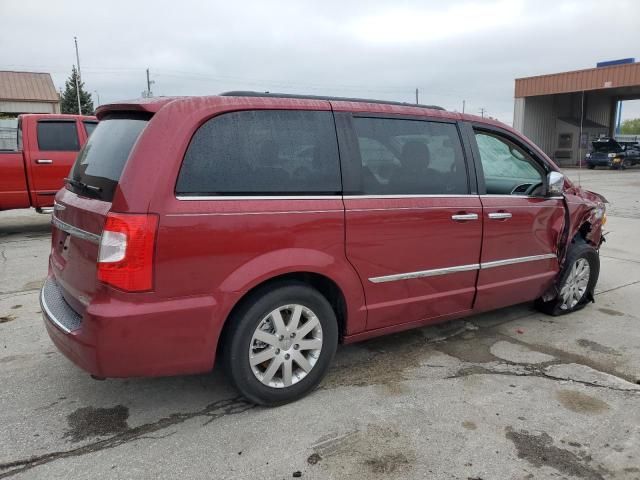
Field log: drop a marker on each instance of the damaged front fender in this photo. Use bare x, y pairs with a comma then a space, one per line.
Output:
586, 216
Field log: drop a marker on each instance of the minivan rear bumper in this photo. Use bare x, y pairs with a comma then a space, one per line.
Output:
116, 338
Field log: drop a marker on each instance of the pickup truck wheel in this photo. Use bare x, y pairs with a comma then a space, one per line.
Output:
280, 343
576, 281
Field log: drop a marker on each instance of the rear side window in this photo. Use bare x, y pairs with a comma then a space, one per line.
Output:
56, 136
405, 157
90, 127
102, 159
266, 152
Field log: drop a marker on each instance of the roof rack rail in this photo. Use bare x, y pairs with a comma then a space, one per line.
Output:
249, 93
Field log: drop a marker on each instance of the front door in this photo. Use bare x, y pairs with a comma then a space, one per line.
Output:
522, 226
52, 151
413, 227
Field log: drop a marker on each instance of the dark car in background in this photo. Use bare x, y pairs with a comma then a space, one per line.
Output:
608, 152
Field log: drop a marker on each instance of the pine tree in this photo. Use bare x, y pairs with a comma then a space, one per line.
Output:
69, 98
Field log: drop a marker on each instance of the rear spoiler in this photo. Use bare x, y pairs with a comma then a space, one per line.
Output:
147, 105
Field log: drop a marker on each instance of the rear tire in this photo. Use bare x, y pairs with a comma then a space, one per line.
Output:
280, 343
576, 281
591, 167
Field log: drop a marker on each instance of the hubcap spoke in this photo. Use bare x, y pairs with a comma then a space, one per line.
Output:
262, 357
295, 318
287, 368
271, 371
312, 323
278, 322
266, 337
302, 361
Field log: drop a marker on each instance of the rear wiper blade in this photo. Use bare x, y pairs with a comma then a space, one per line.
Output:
82, 185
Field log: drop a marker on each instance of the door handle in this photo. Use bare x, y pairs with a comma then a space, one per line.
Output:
464, 217
499, 215
44, 161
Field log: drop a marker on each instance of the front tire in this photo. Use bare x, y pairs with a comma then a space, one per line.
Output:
590, 166
576, 281
280, 343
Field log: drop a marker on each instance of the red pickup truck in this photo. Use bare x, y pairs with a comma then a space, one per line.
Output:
47, 146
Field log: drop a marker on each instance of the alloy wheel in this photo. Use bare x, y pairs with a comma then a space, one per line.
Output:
285, 346
576, 284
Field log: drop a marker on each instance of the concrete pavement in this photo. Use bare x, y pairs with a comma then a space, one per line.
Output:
511, 394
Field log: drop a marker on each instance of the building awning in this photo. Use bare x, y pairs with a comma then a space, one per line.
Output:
624, 78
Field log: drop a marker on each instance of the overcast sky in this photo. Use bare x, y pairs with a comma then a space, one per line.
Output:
451, 50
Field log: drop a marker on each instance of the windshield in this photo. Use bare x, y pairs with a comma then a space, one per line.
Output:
99, 165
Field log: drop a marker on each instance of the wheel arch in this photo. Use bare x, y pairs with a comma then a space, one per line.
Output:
327, 287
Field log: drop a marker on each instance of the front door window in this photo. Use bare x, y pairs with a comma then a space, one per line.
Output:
508, 170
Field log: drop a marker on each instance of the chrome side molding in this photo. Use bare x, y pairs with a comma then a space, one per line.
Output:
460, 268
512, 261
425, 273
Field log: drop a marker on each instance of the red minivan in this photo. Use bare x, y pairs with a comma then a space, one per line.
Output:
263, 229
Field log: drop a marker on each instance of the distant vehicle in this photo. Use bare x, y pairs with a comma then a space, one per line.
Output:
264, 229
47, 146
608, 152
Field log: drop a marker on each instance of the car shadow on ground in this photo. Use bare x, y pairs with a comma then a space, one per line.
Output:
385, 360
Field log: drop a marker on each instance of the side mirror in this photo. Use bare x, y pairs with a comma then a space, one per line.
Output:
555, 184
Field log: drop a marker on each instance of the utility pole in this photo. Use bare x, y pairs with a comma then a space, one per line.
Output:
75, 39
463, 103
97, 96
78, 78
483, 111
149, 93
78, 91
417, 102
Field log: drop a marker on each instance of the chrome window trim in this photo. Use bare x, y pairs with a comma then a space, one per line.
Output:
507, 195
383, 196
314, 197
258, 197
347, 197
75, 231
460, 268
50, 315
279, 212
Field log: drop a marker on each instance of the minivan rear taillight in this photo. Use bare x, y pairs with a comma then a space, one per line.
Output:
125, 259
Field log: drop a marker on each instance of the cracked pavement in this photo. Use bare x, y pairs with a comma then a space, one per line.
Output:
511, 394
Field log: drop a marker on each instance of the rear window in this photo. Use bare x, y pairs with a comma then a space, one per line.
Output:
101, 161
59, 136
266, 152
90, 127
